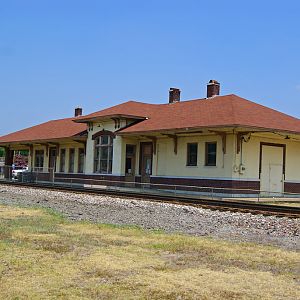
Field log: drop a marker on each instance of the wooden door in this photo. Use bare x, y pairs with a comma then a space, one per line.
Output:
146, 157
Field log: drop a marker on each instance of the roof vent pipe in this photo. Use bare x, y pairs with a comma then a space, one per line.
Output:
174, 95
213, 88
78, 111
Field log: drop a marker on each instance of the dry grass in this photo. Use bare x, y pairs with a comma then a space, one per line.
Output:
43, 256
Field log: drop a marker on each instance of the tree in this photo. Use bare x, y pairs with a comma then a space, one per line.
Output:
2, 152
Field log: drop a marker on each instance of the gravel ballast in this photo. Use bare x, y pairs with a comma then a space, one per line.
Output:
282, 232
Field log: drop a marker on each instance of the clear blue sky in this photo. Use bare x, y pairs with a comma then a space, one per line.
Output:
59, 54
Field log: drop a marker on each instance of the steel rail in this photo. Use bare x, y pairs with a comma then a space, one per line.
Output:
224, 205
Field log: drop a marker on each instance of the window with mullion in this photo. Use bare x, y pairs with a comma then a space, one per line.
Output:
80, 160
62, 160
71, 160
39, 159
211, 154
192, 154
103, 154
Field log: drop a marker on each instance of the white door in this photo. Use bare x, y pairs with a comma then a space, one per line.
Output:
272, 170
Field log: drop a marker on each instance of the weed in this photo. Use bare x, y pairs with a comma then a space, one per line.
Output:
44, 256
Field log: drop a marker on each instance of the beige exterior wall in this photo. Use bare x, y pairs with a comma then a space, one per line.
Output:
251, 155
118, 148
243, 166
293, 162
167, 163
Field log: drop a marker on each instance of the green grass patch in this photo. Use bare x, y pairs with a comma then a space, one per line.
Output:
44, 256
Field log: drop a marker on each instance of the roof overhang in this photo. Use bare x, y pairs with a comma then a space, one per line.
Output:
108, 117
44, 141
226, 128
79, 136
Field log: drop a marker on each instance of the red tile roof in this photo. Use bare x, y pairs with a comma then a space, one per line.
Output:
56, 129
220, 111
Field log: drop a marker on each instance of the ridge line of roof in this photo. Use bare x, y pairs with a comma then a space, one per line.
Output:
150, 104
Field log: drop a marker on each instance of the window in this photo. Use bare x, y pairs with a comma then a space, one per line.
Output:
103, 154
62, 160
211, 154
71, 160
80, 160
39, 159
192, 154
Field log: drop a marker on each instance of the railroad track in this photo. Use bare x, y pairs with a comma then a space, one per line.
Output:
213, 204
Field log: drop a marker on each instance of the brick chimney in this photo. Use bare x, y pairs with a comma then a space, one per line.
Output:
78, 111
213, 88
174, 95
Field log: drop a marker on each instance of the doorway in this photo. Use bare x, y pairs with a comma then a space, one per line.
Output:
272, 169
52, 162
130, 164
146, 156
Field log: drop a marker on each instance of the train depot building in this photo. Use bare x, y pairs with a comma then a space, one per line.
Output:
225, 142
